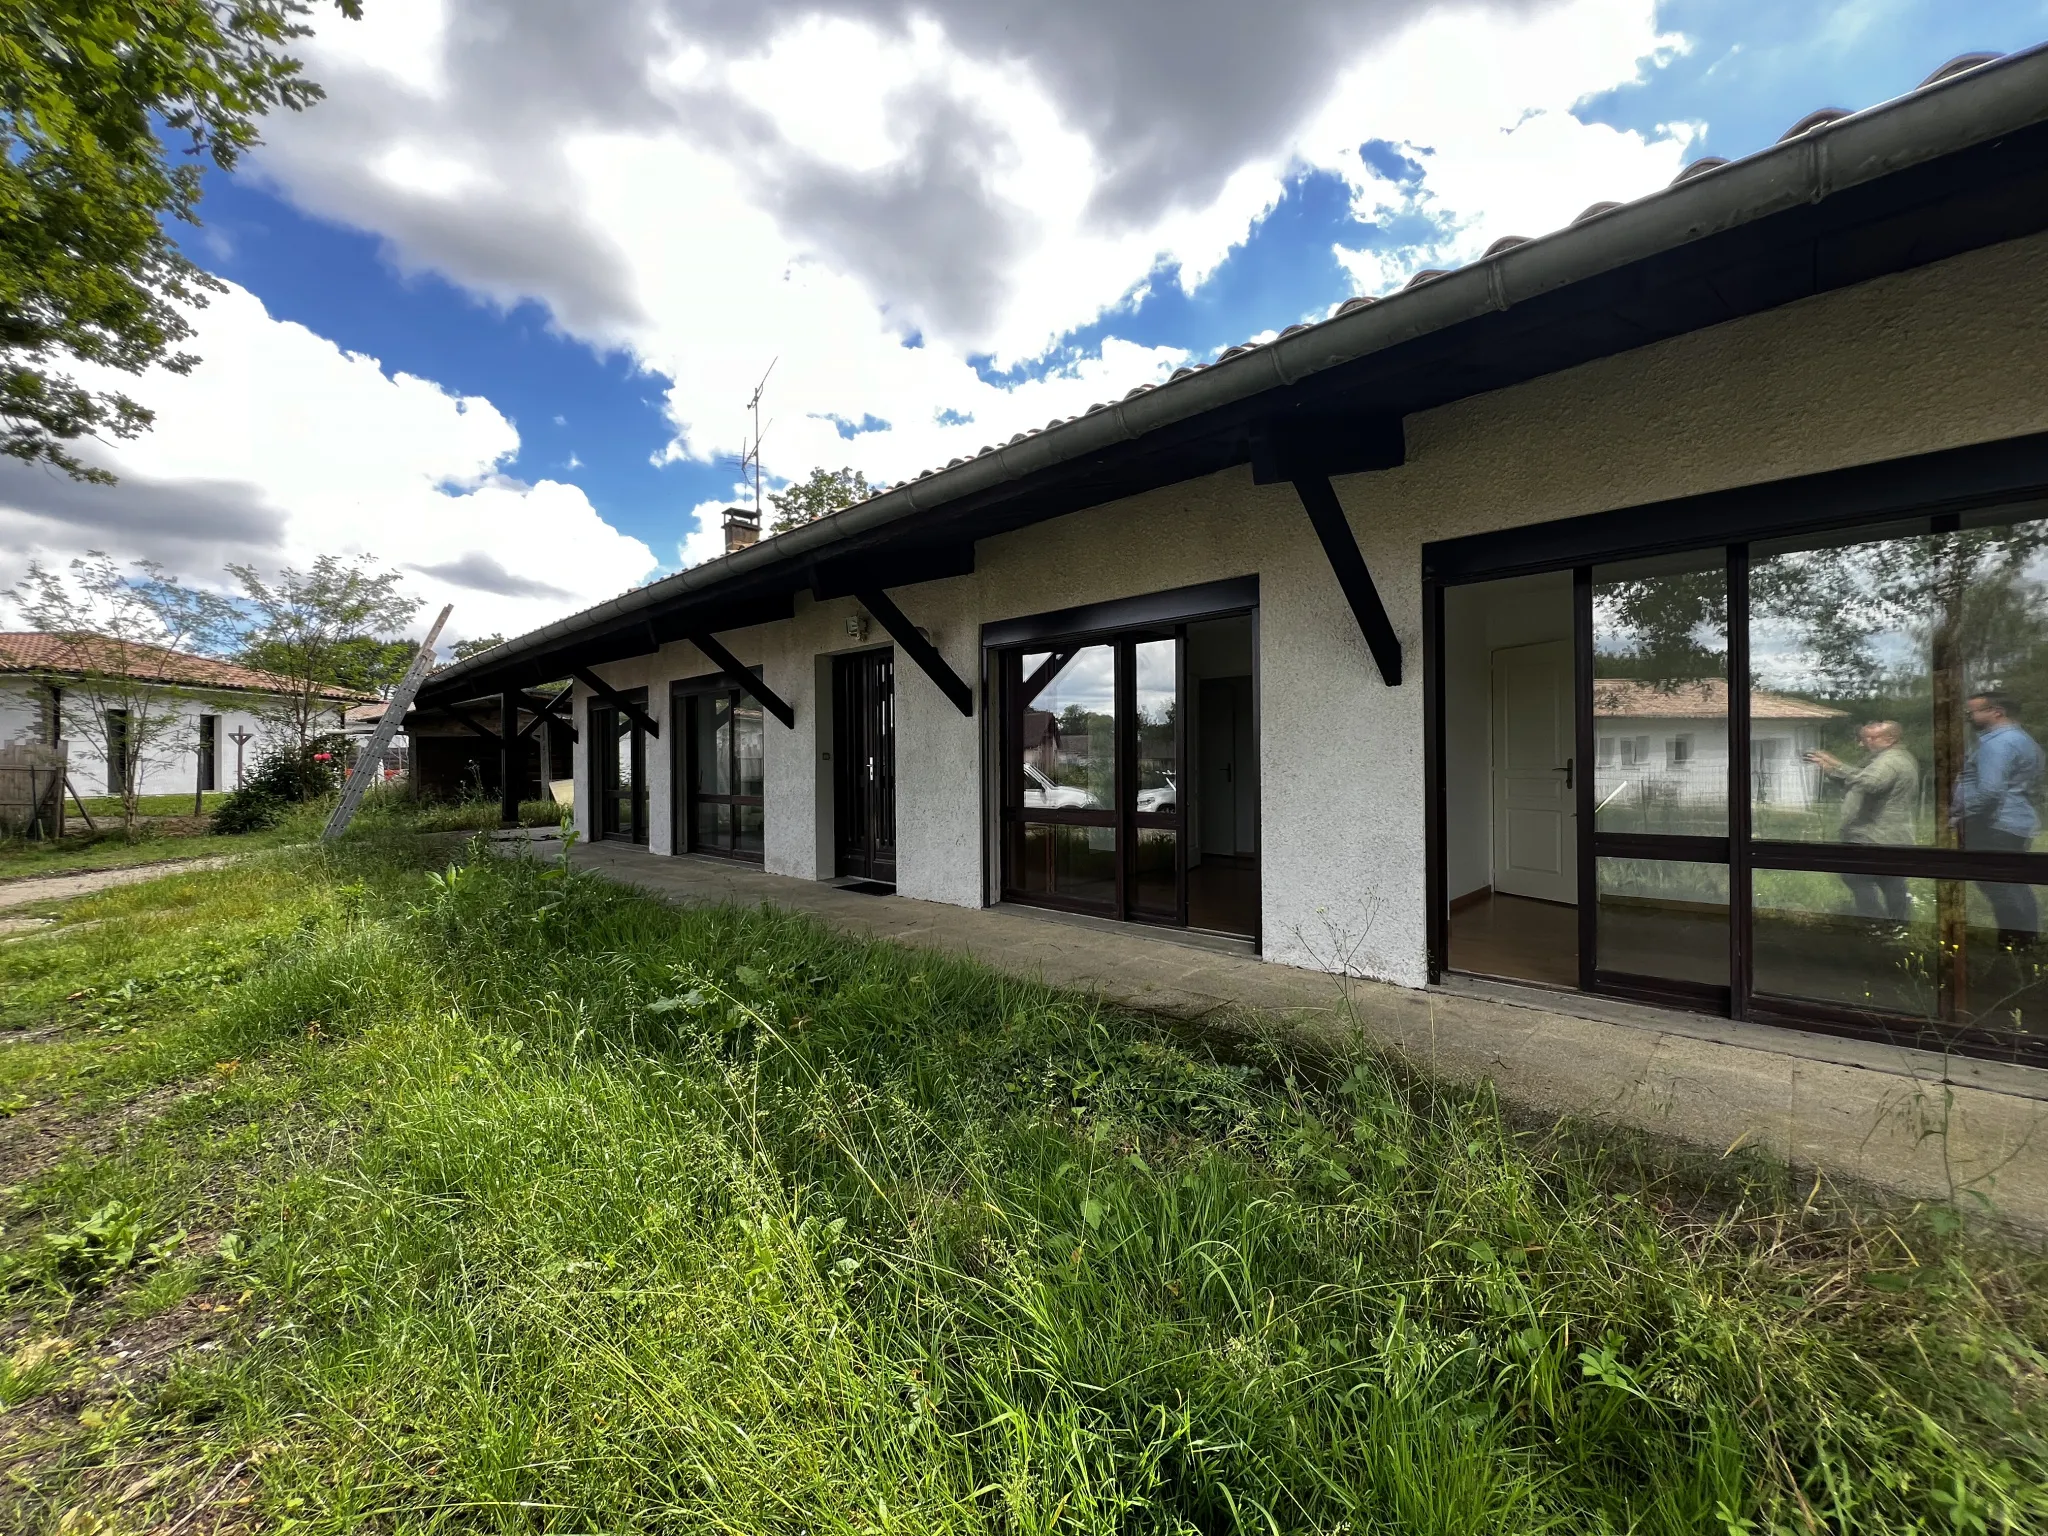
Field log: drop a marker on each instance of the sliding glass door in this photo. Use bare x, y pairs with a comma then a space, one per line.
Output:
1812, 782
1897, 869
1657, 798
721, 754
1093, 763
618, 770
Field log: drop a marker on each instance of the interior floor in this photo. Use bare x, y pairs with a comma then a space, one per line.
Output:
1516, 938
1223, 894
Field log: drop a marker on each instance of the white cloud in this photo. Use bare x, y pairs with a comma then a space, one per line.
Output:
280, 446
712, 193
1486, 112
812, 189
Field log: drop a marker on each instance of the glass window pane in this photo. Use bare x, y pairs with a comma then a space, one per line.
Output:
1902, 679
749, 747
1158, 704
706, 760
622, 753
1067, 753
1664, 918
748, 824
1157, 893
1660, 696
1849, 941
714, 826
2003, 974
1077, 863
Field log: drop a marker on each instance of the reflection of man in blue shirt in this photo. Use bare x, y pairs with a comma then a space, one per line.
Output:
1996, 807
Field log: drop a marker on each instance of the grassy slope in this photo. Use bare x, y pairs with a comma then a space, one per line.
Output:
521, 1202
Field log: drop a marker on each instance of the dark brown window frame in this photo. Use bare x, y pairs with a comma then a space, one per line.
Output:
1924, 492
1122, 624
604, 739
684, 697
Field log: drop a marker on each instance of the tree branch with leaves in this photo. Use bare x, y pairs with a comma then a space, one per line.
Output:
110, 112
822, 491
333, 627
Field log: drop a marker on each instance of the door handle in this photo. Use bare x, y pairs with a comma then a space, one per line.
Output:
1568, 773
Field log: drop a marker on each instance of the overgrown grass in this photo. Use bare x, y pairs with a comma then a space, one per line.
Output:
542, 1207
393, 809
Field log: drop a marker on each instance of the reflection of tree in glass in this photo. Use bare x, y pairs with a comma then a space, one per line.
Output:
1908, 629
1667, 630
1969, 599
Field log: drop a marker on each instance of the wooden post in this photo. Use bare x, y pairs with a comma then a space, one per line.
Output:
371, 762
508, 758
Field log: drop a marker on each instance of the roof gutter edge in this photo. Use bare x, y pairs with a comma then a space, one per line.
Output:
1972, 108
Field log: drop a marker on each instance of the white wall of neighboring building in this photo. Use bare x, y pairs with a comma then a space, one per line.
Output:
1813, 386
170, 762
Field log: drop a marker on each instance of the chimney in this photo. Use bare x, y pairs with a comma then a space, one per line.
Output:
742, 528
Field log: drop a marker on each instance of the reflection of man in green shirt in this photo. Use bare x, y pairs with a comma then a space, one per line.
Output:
1878, 810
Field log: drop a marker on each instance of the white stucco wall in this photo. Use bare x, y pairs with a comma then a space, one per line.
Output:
170, 763
1944, 356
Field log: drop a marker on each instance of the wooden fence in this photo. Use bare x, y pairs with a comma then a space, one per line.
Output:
32, 790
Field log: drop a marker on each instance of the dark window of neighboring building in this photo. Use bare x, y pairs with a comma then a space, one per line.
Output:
53, 715
209, 752
117, 752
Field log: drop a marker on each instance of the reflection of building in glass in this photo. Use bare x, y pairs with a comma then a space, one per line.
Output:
1667, 743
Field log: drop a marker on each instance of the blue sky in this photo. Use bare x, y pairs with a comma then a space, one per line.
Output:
569, 280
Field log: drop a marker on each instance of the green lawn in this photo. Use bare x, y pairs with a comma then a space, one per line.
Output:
109, 806
495, 1198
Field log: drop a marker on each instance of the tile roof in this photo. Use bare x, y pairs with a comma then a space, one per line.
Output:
74, 655
1696, 699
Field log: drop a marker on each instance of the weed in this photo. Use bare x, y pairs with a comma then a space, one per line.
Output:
557, 1209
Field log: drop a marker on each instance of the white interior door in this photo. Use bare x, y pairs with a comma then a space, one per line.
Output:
1535, 816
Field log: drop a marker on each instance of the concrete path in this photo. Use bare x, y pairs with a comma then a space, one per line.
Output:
34, 888
1908, 1120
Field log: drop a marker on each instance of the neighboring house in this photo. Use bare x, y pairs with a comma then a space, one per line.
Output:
220, 710
1657, 742
1336, 598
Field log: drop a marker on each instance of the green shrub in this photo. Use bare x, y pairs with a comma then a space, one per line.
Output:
285, 776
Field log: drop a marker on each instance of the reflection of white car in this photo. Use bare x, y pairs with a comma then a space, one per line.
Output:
1041, 794
1164, 800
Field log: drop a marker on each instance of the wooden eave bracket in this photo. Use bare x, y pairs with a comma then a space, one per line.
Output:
1326, 516
920, 650
743, 679
617, 700
545, 709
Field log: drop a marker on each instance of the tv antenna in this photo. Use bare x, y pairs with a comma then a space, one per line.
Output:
750, 457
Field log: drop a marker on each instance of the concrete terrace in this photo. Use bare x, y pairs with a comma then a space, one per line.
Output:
1907, 1120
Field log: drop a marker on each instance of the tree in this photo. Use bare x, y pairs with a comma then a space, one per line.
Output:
464, 649
89, 92
109, 671
328, 628
826, 490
